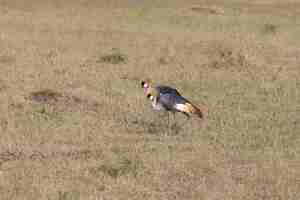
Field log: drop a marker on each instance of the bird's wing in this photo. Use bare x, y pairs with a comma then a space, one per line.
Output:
167, 90
169, 100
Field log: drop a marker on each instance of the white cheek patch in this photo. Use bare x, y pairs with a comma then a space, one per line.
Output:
146, 85
151, 98
180, 107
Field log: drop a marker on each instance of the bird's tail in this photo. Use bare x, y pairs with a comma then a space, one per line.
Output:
200, 111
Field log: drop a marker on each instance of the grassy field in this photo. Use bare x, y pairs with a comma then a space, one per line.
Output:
75, 123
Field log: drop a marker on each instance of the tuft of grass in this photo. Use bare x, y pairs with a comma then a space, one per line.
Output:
45, 96
114, 57
228, 58
64, 195
270, 28
213, 10
123, 167
7, 156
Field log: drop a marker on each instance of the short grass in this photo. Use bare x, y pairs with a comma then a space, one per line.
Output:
75, 123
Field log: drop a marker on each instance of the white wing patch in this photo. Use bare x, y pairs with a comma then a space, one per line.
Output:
180, 107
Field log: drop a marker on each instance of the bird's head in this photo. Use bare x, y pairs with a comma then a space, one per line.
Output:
146, 85
150, 92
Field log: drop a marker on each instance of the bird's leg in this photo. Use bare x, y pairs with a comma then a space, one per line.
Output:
173, 126
188, 117
169, 128
174, 118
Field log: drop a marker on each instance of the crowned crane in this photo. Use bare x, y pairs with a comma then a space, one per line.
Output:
169, 99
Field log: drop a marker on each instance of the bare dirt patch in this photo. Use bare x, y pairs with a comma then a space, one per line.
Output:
63, 101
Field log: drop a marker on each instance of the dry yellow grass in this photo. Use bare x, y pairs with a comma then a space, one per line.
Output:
74, 122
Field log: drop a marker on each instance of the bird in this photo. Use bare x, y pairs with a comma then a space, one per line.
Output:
166, 98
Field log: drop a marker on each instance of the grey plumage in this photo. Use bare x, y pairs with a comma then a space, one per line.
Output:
169, 99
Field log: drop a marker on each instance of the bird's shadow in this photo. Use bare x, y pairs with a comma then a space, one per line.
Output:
152, 126
163, 124
175, 128
160, 128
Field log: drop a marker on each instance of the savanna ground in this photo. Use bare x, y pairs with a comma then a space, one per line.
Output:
75, 124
